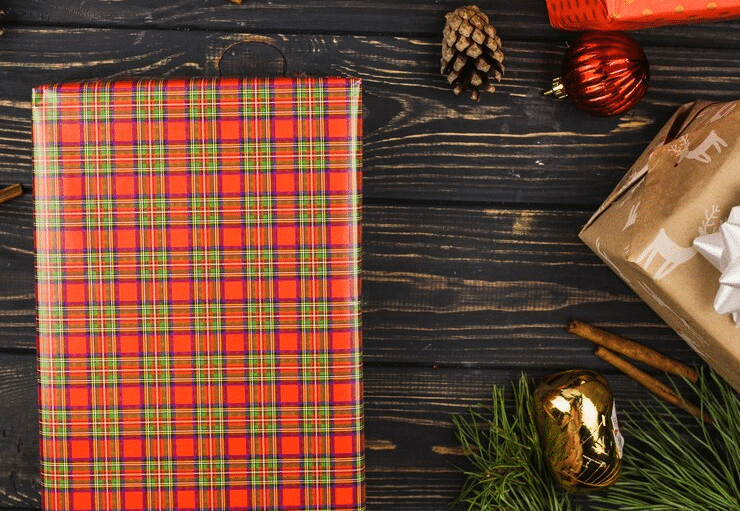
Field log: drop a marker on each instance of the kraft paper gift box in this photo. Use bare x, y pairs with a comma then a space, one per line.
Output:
683, 186
198, 294
636, 14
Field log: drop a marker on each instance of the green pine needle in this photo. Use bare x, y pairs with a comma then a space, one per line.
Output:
670, 462
508, 471
673, 464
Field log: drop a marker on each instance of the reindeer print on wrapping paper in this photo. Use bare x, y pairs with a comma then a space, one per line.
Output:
711, 220
689, 333
723, 111
672, 254
701, 152
632, 218
609, 262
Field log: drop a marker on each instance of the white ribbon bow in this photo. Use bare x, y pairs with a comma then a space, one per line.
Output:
722, 249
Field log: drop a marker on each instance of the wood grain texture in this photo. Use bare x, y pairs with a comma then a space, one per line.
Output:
19, 440
409, 16
421, 142
522, 20
17, 292
480, 288
442, 286
407, 411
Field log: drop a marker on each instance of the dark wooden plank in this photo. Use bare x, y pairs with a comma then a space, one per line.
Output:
442, 286
17, 292
525, 20
421, 142
19, 439
459, 286
357, 16
410, 445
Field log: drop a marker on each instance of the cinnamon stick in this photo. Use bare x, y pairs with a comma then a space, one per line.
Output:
631, 349
11, 192
657, 387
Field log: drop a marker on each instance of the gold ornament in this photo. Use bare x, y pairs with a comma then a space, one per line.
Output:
576, 421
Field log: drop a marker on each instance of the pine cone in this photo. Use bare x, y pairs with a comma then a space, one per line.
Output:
471, 51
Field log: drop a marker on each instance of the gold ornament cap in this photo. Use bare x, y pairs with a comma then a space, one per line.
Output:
576, 420
557, 89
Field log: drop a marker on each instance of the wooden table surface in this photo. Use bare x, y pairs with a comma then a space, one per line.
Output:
472, 265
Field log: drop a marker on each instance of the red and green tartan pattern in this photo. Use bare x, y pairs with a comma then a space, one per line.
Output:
198, 294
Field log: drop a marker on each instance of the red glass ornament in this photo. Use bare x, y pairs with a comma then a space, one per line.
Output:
604, 73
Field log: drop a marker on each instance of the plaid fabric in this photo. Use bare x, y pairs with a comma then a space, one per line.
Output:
198, 294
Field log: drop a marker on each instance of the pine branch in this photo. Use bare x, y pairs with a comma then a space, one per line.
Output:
673, 463
670, 462
508, 470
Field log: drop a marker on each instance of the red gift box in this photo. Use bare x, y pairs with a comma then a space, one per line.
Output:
198, 294
636, 14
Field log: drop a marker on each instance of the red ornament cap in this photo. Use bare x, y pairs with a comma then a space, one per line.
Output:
604, 73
